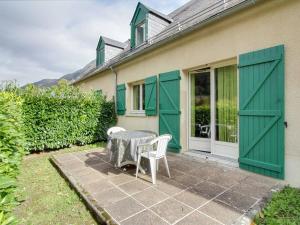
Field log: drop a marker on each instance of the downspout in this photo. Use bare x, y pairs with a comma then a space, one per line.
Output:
116, 84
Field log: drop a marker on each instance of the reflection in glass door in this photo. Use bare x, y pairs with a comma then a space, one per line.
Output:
200, 129
213, 111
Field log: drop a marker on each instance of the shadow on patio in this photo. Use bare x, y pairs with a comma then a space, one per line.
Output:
198, 192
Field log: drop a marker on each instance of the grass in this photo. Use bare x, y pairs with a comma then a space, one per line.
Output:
45, 196
283, 209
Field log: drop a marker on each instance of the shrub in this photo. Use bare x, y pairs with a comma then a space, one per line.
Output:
11, 151
62, 115
283, 209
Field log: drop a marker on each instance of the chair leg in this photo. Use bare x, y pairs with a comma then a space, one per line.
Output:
157, 163
167, 166
153, 169
138, 165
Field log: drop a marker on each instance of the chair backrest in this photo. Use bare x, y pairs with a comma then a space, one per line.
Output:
114, 130
162, 144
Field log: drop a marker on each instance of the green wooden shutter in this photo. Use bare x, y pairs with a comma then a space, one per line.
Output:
169, 107
150, 96
261, 79
121, 99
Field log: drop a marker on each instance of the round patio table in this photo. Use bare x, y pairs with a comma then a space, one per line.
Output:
123, 146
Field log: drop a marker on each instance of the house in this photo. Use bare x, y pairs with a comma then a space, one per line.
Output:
221, 76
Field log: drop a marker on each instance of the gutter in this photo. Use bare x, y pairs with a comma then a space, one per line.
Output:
190, 29
116, 84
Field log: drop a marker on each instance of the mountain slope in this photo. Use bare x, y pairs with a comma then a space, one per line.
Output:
70, 77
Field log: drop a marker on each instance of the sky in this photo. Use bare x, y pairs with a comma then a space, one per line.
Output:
47, 39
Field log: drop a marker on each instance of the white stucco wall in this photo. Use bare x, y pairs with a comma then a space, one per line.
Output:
264, 25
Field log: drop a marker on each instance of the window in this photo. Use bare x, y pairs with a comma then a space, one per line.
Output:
140, 34
138, 97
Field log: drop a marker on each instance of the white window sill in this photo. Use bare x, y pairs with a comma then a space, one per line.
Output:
136, 114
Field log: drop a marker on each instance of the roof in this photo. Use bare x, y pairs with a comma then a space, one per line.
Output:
163, 16
184, 19
112, 42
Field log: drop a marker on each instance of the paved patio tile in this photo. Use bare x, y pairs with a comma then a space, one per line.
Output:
124, 208
121, 178
100, 166
133, 187
108, 197
208, 190
187, 180
98, 186
171, 210
222, 212
259, 179
89, 178
196, 218
192, 198
228, 178
181, 166
236, 200
150, 196
173, 172
206, 172
145, 217
84, 172
222, 193
109, 172
255, 190
169, 187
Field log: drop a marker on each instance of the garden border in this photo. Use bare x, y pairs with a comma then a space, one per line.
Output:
99, 214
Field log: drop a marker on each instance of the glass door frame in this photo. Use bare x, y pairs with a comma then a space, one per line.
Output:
203, 143
226, 149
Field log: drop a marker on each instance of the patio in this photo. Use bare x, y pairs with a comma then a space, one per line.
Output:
199, 192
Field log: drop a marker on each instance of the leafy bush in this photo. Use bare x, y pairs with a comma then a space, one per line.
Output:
283, 209
62, 115
11, 152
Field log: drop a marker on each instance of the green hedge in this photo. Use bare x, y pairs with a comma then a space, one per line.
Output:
62, 115
11, 152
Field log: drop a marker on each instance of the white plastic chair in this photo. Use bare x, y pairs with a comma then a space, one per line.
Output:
114, 130
147, 151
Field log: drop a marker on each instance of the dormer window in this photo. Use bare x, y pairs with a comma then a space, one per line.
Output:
140, 34
107, 49
145, 24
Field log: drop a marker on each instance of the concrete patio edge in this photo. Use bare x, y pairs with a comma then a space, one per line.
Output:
99, 214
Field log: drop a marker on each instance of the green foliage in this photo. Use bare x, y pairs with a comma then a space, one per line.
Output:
47, 197
62, 115
11, 152
283, 209
202, 114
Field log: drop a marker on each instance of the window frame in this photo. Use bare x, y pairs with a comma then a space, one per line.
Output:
141, 24
141, 84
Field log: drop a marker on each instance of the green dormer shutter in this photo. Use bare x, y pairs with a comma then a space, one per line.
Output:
121, 99
150, 96
140, 16
100, 53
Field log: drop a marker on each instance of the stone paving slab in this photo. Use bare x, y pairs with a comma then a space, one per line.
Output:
198, 192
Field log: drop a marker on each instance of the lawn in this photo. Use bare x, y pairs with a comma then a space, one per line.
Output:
282, 209
45, 196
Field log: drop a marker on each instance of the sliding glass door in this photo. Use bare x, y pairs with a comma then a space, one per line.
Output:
200, 110
213, 111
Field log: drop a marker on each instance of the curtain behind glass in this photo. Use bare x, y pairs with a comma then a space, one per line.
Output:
136, 97
226, 104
